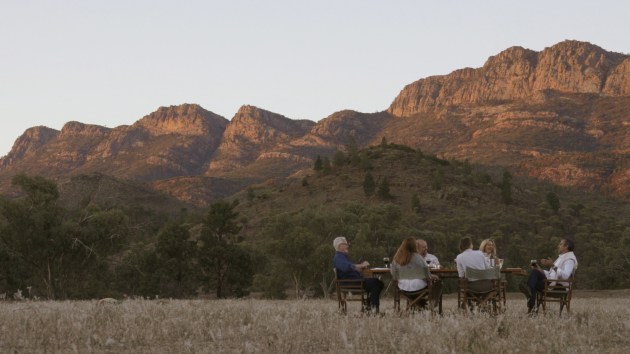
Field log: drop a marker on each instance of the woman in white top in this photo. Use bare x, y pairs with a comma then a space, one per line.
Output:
489, 250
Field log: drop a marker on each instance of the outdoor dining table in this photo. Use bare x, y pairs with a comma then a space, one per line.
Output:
442, 273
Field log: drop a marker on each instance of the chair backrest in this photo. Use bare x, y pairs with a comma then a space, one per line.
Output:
350, 290
558, 290
413, 273
347, 284
567, 283
482, 274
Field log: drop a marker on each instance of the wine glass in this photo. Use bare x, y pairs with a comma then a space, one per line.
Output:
386, 261
500, 263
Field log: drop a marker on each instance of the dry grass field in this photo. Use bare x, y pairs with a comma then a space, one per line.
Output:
599, 322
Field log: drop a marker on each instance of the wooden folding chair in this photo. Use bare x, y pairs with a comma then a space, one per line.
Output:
468, 295
350, 290
414, 299
559, 291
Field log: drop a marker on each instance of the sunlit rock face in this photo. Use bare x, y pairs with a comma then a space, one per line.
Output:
559, 115
518, 73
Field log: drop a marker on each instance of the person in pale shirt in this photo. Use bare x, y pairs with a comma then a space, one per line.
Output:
423, 250
489, 250
562, 268
468, 258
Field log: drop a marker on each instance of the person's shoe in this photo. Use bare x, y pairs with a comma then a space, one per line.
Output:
531, 312
525, 290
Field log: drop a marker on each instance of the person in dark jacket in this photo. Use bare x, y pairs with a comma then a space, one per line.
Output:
346, 269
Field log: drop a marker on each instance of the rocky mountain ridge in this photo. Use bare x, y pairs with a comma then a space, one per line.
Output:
518, 73
558, 115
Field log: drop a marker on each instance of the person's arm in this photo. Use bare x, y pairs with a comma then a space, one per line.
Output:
360, 266
394, 270
460, 267
343, 264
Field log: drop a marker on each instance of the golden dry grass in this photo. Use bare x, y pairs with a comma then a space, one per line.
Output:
597, 324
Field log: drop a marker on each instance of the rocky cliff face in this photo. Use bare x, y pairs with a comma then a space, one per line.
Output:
559, 115
186, 119
172, 141
553, 115
518, 73
253, 133
27, 143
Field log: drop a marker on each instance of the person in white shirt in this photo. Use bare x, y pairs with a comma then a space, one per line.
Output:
562, 268
423, 250
472, 259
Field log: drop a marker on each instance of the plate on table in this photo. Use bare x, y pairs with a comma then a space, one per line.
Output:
379, 269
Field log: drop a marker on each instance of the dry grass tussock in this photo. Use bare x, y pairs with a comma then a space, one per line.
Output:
313, 326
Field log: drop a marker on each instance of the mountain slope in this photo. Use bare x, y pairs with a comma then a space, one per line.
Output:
558, 115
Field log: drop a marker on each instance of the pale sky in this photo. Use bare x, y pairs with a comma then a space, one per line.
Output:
112, 62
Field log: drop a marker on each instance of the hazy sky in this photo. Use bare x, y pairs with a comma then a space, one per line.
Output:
112, 62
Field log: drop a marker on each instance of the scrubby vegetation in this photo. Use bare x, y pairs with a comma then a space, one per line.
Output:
275, 238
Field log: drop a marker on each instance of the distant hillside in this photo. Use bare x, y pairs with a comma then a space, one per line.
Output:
558, 115
452, 199
445, 188
108, 192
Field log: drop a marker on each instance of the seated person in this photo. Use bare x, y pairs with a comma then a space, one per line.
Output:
423, 249
475, 260
489, 250
346, 269
562, 268
408, 258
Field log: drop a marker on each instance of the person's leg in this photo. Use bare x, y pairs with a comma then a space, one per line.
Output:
436, 293
374, 287
535, 284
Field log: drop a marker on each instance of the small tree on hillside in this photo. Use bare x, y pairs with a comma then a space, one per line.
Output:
506, 188
326, 167
554, 202
383, 189
415, 203
352, 150
250, 194
339, 159
369, 186
437, 178
319, 165
226, 265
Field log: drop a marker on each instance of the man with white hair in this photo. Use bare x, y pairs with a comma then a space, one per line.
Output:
346, 269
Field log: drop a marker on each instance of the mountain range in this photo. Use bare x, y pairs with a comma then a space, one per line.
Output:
559, 115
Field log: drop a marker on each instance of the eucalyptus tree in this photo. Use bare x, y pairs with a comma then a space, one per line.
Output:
225, 264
